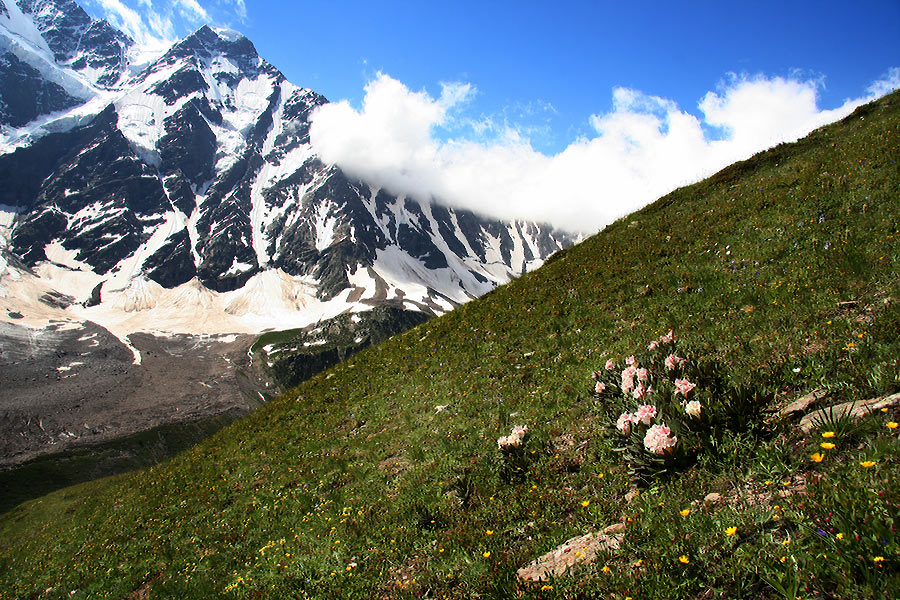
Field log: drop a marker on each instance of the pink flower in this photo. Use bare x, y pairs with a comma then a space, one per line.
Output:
667, 338
519, 431
644, 414
639, 392
628, 379
630, 360
600, 387
623, 424
653, 345
514, 439
610, 365
673, 361
659, 440
683, 387
642, 374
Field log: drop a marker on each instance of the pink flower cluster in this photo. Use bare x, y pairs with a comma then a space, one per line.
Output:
644, 414
672, 362
663, 339
643, 376
659, 439
514, 439
683, 387
623, 423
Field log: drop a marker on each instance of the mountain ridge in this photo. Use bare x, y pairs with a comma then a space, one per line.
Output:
198, 164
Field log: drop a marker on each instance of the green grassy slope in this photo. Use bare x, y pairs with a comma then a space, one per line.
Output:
382, 478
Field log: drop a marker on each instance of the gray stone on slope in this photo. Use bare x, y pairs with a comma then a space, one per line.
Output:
853, 410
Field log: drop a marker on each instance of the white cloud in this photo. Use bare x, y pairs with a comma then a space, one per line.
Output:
642, 149
160, 22
241, 9
128, 20
161, 26
889, 82
192, 11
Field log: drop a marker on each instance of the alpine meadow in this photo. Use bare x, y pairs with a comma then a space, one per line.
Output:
451, 460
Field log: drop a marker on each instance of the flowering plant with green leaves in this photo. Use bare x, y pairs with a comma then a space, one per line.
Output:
668, 406
514, 452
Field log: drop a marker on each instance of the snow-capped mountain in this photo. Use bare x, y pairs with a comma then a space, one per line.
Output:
189, 181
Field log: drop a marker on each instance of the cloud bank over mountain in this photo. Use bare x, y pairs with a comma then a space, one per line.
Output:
643, 148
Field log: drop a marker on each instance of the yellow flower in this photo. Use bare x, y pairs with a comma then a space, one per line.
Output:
585, 503
489, 532
827, 434
839, 536
684, 559
545, 588
685, 512
892, 425
599, 475
827, 445
783, 558
868, 463
605, 569
486, 555
878, 560
730, 531
817, 457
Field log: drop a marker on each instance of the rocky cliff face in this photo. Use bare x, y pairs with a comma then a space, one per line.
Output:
197, 170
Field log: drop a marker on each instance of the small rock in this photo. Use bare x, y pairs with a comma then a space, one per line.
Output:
802, 403
713, 498
577, 550
614, 528
854, 410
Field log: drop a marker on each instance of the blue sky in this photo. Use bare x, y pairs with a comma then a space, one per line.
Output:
538, 80
553, 64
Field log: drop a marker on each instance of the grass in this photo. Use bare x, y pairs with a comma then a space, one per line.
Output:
381, 478
50, 472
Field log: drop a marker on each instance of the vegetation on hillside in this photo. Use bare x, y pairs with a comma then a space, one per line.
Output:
383, 477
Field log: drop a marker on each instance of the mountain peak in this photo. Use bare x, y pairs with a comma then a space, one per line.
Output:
208, 41
202, 167
90, 46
